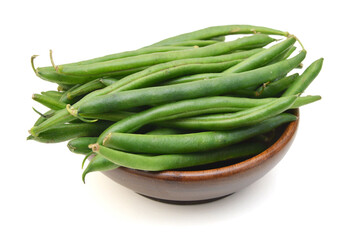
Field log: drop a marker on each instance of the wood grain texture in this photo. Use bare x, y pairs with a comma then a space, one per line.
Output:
194, 186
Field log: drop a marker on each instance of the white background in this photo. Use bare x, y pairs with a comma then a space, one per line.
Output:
306, 196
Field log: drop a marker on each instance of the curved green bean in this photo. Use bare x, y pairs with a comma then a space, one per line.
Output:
192, 142
273, 89
53, 94
72, 130
108, 68
303, 81
98, 163
49, 102
50, 74
239, 119
199, 43
83, 89
262, 58
175, 161
108, 81
219, 31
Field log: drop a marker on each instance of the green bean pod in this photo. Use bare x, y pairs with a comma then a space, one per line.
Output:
218, 38
72, 130
164, 131
109, 68
156, 95
305, 79
239, 119
64, 97
192, 78
108, 81
199, 43
44, 116
161, 72
176, 161
50, 74
262, 58
53, 94
192, 142
219, 31
273, 89
98, 163
83, 90
49, 102
208, 121
125, 54
64, 87
283, 55
80, 145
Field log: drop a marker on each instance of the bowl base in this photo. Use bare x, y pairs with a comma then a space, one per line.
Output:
185, 202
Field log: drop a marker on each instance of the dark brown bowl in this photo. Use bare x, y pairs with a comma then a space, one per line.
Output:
199, 186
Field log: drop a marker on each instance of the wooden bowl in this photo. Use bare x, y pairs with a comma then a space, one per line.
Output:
205, 185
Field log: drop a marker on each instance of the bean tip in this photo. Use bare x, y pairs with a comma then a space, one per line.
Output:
85, 158
32, 64
95, 147
52, 60
30, 137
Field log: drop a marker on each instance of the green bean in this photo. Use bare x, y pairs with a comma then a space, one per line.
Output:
50, 74
108, 81
69, 131
192, 78
138, 52
156, 95
165, 71
53, 94
199, 43
219, 38
272, 89
305, 79
108, 68
283, 55
176, 71
239, 119
202, 76
44, 116
219, 31
64, 97
64, 87
164, 131
262, 58
208, 121
245, 93
80, 145
98, 163
175, 161
113, 116
48, 102
274, 54
84, 89
192, 142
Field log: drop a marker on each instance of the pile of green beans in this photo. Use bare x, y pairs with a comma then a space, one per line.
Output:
188, 100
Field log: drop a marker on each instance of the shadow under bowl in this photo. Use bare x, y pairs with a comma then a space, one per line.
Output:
207, 183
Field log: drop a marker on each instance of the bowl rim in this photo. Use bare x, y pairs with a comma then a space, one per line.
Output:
207, 174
